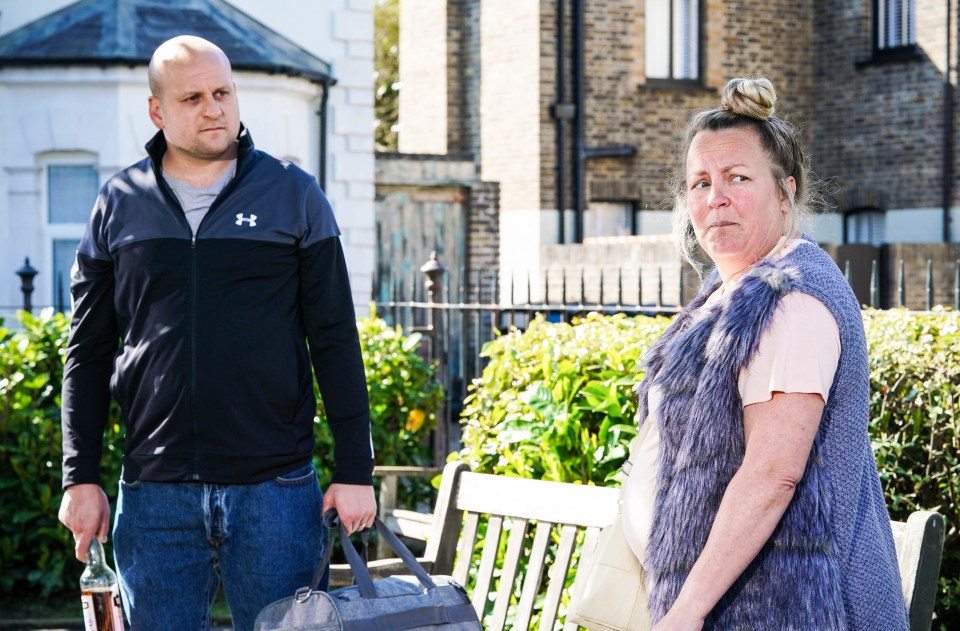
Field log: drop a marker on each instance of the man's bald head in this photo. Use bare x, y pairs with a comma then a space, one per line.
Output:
177, 51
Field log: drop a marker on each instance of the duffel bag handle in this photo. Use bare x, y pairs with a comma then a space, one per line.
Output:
359, 568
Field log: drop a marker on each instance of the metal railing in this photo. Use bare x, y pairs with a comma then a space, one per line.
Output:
456, 330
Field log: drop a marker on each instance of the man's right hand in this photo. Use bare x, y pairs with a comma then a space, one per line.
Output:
85, 510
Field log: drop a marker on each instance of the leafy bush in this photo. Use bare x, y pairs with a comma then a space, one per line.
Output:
404, 397
915, 426
34, 548
36, 552
555, 402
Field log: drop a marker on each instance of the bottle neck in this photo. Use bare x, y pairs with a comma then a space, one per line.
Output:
97, 574
95, 553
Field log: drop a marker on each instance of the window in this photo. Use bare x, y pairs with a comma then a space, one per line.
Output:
672, 40
865, 225
64, 255
896, 24
71, 191
72, 182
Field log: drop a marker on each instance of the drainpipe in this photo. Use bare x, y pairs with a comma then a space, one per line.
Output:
578, 142
948, 133
561, 111
581, 152
324, 98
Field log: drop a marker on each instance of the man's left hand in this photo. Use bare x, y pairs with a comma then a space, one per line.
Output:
355, 503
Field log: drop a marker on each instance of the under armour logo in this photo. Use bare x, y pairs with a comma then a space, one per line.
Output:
252, 219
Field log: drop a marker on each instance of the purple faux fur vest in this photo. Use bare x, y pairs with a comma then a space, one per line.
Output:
830, 563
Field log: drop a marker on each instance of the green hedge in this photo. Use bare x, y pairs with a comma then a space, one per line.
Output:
915, 426
555, 403
36, 552
34, 549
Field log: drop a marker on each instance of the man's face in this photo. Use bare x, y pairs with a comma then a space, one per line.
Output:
197, 109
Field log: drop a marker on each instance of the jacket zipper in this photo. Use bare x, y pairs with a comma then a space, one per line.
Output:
194, 272
195, 291
192, 306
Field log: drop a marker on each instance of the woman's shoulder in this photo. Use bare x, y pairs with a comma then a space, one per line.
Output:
813, 271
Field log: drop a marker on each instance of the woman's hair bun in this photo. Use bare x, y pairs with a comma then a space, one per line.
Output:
755, 98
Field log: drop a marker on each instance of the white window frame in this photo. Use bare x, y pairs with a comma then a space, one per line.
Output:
866, 225
46, 286
683, 32
887, 38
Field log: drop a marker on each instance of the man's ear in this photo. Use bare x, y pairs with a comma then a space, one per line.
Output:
156, 113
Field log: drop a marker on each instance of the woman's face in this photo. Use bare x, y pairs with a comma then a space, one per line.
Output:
734, 203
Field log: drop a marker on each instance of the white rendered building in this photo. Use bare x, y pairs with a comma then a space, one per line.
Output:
73, 111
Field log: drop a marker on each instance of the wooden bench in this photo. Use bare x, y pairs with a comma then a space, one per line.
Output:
406, 523
482, 513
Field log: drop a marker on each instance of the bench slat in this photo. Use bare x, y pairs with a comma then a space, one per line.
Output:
531, 582
919, 544
488, 563
518, 531
465, 552
558, 576
556, 502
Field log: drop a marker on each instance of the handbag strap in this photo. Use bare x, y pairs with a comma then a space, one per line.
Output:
627, 465
359, 566
360, 573
404, 553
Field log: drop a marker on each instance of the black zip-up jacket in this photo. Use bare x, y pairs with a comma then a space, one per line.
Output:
207, 341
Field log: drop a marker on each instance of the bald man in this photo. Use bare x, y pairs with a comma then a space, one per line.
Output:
209, 288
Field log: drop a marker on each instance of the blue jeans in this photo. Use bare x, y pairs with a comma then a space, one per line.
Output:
175, 541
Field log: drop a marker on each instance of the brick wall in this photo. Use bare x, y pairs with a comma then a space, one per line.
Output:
510, 103
941, 260
424, 76
495, 64
483, 237
944, 257
878, 127
865, 125
873, 130
740, 38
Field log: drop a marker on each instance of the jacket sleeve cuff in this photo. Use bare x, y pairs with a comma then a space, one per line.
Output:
80, 471
353, 471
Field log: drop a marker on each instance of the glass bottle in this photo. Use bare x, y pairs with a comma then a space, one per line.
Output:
99, 593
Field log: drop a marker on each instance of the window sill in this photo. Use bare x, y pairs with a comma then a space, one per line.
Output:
685, 85
899, 54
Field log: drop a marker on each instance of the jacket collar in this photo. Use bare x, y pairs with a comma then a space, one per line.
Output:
157, 146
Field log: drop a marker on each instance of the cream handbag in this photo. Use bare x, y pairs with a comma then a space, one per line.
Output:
613, 594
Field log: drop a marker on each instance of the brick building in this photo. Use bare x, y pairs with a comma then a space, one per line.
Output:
577, 105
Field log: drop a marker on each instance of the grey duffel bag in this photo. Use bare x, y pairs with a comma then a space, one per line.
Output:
399, 603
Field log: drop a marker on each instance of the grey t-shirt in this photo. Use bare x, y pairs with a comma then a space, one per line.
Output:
196, 201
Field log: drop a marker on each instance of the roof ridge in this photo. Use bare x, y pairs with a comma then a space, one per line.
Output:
109, 32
